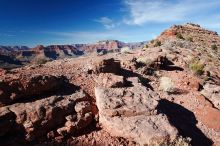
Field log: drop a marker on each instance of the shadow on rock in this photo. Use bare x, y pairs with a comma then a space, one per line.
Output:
185, 121
172, 68
68, 89
65, 89
128, 73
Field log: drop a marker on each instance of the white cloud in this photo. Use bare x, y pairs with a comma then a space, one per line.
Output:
106, 22
162, 11
6, 35
94, 36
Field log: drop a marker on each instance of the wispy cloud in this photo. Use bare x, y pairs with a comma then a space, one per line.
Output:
163, 11
106, 22
94, 36
6, 35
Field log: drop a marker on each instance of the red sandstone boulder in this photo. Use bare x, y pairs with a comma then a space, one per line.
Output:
23, 88
130, 112
106, 66
37, 119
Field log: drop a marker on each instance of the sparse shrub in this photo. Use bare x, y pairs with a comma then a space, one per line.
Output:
157, 44
179, 141
41, 61
190, 39
126, 50
166, 85
144, 61
200, 49
152, 41
179, 36
214, 47
209, 59
197, 67
145, 47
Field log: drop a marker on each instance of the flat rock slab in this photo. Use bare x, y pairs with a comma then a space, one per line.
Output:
131, 113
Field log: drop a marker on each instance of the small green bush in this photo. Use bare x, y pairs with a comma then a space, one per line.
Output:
197, 67
145, 47
190, 39
152, 41
214, 47
157, 44
179, 36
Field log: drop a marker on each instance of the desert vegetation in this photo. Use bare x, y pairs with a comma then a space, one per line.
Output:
179, 36
197, 67
157, 44
214, 47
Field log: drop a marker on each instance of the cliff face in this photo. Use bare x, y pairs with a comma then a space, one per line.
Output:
39, 54
102, 45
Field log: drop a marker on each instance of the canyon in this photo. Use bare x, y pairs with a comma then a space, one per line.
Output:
161, 92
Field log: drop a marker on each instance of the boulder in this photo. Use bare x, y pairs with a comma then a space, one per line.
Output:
23, 88
132, 113
156, 61
106, 66
212, 92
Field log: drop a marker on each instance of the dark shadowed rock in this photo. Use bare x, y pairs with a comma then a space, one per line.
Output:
106, 66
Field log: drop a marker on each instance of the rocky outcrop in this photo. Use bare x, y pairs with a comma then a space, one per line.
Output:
131, 113
104, 66
43, 117
212, 92
192, 32
25, 87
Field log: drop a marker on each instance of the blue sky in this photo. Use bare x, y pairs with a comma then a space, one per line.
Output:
33, 22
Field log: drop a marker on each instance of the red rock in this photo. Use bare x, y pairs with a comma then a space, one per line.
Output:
210, 117
106, 66
40, 116
109, 80
24, 88
199, 35
130, 113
